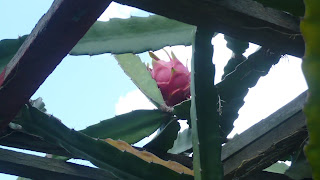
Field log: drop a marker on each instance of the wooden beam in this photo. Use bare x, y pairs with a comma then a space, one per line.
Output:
50, 41
17, 139
242, 19
268, 149
36, 167
267, 176
264, 126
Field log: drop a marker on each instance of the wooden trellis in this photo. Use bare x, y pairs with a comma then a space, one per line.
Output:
68, 20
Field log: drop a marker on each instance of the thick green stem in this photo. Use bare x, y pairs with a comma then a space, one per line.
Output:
204, 116
310, 28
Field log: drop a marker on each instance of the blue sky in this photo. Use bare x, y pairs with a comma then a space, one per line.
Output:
84, 90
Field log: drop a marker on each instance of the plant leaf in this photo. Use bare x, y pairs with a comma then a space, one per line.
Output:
182, 143
206, 139
102, 154
182, 110
278, 167
235, 45
165, 138
8, 48
149, 157
310, 28
238, 48
39, 104
235, 86
133, 35
130, 127
137, 71
300, 168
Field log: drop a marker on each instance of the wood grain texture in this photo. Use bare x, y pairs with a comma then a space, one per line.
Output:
268, 149
242, 19
264, 126
50, 41
35, 167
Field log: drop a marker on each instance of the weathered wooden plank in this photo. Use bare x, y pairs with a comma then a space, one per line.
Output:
50, 41
268, 149
267, 176
242, 19
35, 167
17, 139
264, 126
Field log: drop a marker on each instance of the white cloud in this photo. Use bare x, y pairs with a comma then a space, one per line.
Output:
116, 10
284, 82
183, 53
133, 100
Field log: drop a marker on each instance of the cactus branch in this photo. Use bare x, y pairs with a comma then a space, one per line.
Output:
206, 138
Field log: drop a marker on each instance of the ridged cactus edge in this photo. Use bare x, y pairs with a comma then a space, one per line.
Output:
206, 138
102, 154
310, 28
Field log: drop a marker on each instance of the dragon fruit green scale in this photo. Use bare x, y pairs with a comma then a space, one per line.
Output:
173, 79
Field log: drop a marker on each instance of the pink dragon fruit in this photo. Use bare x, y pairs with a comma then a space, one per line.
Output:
173, 79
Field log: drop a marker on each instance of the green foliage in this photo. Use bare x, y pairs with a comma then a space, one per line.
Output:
62, 158
133, 35
137, 71
235, 86
22, 178
8, 48
183, 142
278, 167
130, 127
238, 48
39, 104
206, 138
123, 164
310, 28
294, 7
182, 110
235, 45
165, 139
300, 168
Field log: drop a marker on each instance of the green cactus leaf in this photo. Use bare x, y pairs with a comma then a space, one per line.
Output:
235, 45
22, 178
122, 164
310, 28
62, 158
294, 7
300, 168
130, 127
182, 143
137, 71
238, 48
8, 48
133, 35
39, 104
165, 138
182, 110
235, 86
278, 167
206, 138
